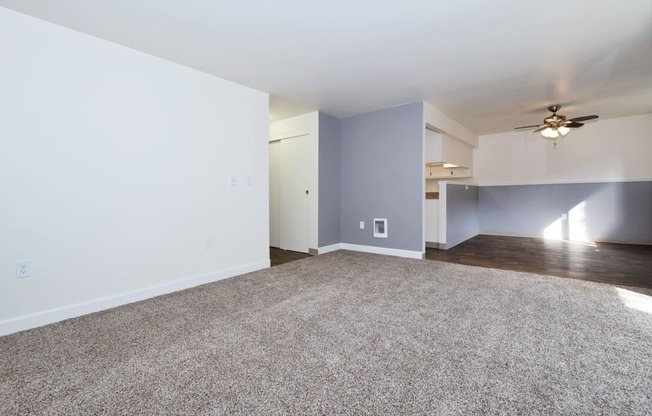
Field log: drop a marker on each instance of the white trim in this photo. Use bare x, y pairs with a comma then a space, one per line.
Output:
569, 182
461, 182
462, 239
21, 323
383, 250
289, 135
443, 213
328, 249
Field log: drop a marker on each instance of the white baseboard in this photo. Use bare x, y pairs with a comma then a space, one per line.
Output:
383, 250
446, 246
372, 249
21, 323
328, 249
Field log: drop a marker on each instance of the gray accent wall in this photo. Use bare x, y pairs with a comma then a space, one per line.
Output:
462, 213
382, 168
606, 211
329, 180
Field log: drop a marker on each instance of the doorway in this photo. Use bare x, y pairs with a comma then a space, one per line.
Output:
289, 193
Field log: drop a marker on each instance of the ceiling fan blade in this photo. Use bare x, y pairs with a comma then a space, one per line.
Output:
583, 118
544, 126
573, 124
527, 127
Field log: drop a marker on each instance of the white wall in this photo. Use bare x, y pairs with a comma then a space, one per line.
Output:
114, 169
434, 118
603, 151
301, 125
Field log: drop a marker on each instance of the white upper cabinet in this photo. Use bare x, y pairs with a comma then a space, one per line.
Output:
447, 157
433, 146
445, 149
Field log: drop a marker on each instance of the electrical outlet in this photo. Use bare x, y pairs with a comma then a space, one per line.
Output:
564, 217
209, 243
362, 225
23, 268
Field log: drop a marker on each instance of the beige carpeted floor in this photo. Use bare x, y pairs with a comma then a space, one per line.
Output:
346, 333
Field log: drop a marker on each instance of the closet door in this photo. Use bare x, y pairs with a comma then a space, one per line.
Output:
295, 193
275, 194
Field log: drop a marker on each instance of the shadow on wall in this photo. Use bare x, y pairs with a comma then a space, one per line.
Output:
616, 211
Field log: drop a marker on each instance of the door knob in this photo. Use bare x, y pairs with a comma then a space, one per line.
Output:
307, 192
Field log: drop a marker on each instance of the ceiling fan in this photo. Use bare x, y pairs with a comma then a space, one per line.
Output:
557, 125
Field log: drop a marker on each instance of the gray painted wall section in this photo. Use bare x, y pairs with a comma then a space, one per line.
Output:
382, 168
614, 211
462, 213
329, 180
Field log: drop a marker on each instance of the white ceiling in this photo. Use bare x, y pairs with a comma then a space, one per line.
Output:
489, 64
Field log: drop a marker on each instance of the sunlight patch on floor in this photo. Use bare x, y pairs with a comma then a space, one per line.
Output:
635, 300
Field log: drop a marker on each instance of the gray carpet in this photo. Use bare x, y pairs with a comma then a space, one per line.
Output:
345, 333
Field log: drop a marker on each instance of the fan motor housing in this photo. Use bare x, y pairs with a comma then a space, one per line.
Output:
554, 119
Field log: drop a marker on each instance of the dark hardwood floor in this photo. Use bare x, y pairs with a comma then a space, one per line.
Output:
278, 256
622, 264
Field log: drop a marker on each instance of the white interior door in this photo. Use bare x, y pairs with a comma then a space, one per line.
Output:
295, 194
275, 194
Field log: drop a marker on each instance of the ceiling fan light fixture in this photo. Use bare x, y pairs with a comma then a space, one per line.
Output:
550, 133
557, 125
